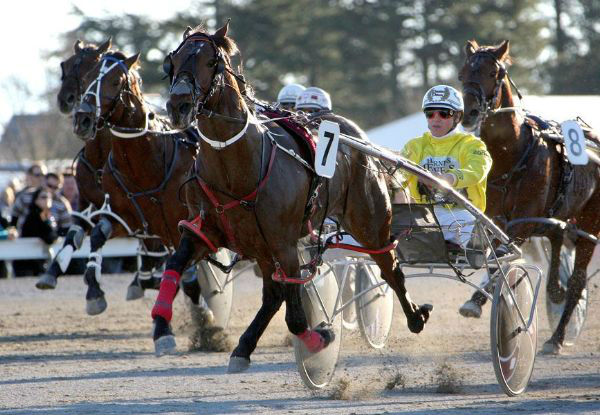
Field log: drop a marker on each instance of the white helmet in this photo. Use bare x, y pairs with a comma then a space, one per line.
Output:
314, 98
443, 96
289, 93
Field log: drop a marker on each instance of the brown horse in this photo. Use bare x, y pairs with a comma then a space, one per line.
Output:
145, 168
252, 197
90, 162
530, 177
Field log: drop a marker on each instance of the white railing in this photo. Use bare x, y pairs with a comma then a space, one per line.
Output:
35, 248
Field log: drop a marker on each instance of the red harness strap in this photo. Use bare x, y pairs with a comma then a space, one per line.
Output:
220, 208
195, 226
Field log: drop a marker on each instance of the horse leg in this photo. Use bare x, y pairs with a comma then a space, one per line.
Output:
144, 278
554, 290
416, 316
95, 301
577, 282
162, 312
272, 298
62, 259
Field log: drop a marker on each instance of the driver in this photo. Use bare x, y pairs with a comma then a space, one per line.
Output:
459, 158
286, 99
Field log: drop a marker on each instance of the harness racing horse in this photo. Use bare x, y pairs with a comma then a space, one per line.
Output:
144, 170
90, 162
530, 177
251, 195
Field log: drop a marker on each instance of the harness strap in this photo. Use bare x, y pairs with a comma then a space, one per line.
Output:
132, 196
96, 172
195, 226
245, 201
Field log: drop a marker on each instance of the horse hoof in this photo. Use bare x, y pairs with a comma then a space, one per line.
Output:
95, 306
327, 334
164, 345
238, 364
417, 321
134, 292
470, 309
46, 282
550, 347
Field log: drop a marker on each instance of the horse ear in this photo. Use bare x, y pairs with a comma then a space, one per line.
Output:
222, 32
77, 46
105, 46
471, 47
132, 60
502, 51
187, 32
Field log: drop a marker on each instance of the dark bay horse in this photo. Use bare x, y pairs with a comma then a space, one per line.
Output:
145, 168
251, 196
90, 162
530, 176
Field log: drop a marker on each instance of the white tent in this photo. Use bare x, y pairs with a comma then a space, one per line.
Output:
554, 107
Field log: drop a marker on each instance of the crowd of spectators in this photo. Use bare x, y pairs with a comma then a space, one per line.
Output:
40, 208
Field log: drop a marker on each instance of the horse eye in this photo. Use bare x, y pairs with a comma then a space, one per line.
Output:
460, 77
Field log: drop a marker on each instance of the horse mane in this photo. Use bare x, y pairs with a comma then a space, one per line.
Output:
226, 43
509, 60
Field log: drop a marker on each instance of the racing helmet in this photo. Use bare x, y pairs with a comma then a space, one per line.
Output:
443, 96
314, 98
289, 93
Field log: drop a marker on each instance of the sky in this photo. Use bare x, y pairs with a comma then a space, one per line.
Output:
29, 29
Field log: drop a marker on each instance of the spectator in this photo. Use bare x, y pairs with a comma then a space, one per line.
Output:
34, 178
69, 189
7, 197
61, 208
6, 232
39, 223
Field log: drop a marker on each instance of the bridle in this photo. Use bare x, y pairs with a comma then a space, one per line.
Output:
185, 75
188, 69
474, 87
74, 72
94, 89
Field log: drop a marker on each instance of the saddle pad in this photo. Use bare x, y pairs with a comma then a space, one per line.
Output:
299, 132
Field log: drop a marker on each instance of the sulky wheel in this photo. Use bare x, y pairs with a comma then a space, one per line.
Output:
555, 310
374, 308
513, 347
318, 300
217, 288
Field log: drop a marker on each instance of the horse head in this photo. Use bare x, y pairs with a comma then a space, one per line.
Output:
72, 71
481, 76
112, 90
198, 71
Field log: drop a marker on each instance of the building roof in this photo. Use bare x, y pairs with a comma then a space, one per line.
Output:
553, 107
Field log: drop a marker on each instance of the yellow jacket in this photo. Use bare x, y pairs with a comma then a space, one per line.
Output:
461, 154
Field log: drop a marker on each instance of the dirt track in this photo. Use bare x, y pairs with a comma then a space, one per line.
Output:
54, 359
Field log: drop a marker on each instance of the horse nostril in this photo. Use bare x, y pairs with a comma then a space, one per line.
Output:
71, 99
184, 108
86, 122
474, 113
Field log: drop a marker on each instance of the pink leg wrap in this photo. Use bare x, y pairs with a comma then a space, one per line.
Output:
166, 295
312, 340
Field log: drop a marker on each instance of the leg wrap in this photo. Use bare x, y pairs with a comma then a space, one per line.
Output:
100, 233
75, 236
313, 341
163, 306
73, 242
